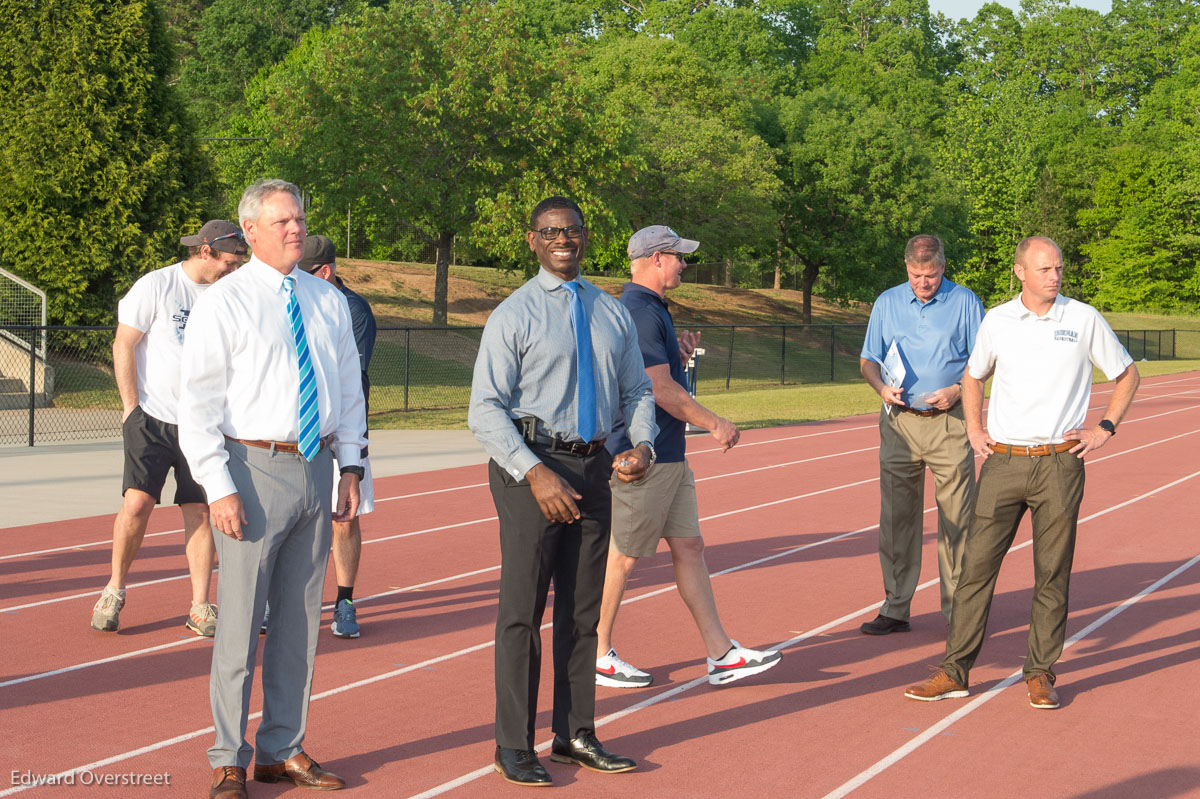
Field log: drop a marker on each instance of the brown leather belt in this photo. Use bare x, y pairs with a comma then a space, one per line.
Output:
289, 447
926, 412
1032, 452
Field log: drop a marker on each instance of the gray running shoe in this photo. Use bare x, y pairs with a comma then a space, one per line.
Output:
203, 620
106, 615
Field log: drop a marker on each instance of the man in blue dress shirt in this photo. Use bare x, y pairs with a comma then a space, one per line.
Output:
558, 359
917, 344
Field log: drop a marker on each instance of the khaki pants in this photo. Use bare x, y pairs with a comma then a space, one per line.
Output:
1051, 487
907, 444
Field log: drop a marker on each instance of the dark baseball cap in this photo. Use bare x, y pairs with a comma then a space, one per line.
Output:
318, 251
658, 238
218, 234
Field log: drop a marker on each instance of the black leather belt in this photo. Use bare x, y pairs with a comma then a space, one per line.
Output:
580, 449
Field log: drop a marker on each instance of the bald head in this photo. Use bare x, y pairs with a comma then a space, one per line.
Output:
1035, 243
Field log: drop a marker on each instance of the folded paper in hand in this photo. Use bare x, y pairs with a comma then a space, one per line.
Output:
893, 370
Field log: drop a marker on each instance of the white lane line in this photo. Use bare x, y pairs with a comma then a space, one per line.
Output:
637, 598
88, 594
869, 609
899, 754
646, 703
123, 656
746, 445
435, 491
105, 542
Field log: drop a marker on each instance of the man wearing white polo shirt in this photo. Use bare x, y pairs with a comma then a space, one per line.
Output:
1041, 348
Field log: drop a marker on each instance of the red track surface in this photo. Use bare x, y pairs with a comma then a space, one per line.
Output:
790, 513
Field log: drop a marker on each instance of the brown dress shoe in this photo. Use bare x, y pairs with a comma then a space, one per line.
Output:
1041, 692
940, 685
228, 782
302, 771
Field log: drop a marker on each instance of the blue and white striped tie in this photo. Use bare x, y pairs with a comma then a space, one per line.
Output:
309, 421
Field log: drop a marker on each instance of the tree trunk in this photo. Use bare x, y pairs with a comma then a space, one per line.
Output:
807, 279
441, 279
728, 273
778, 264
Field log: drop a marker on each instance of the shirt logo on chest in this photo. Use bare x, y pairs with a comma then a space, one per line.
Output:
1063, 334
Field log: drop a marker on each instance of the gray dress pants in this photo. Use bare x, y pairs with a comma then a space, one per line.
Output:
281, 558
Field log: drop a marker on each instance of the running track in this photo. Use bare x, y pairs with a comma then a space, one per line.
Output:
790, 518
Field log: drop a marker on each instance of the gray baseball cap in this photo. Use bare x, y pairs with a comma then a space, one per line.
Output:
658, 238
318, 251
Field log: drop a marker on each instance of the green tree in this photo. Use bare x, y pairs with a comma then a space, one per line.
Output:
859, 186
1145, 250
237, 38
100, 170
697, 162
446, 119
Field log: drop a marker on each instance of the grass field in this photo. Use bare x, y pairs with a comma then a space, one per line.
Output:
759, 366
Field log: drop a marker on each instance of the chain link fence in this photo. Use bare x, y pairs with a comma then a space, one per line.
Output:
56, 383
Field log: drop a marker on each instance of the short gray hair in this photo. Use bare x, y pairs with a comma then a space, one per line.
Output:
925, 249
251, 203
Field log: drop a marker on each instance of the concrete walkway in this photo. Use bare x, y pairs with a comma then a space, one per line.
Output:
53, 482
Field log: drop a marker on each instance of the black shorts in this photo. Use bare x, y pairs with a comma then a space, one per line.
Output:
151, 450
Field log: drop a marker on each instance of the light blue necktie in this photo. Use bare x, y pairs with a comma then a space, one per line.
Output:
585, 374
309, 420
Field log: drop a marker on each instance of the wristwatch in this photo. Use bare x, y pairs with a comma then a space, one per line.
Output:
653, 454
357, 471
1107, 427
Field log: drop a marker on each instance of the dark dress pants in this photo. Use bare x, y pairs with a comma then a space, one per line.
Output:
533, 551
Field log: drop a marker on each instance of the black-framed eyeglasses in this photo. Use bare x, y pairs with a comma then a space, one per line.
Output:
681, 256
551, 233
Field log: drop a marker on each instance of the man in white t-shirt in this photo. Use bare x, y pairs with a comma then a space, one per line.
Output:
146, 352
1041, 348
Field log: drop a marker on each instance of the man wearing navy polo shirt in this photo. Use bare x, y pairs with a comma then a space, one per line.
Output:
917, 344
663, 503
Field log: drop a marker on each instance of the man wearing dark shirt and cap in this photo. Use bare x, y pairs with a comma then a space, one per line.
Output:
320, 259
663, 504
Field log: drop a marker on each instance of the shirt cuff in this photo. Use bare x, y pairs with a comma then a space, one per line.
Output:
348, 455
520, 465
218, 486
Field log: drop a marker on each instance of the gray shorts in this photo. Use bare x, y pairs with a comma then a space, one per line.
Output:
661, 505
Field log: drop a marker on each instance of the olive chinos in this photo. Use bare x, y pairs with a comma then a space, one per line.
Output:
1051, 488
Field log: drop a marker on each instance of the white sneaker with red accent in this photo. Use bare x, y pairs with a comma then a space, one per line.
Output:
740, 662
612, 672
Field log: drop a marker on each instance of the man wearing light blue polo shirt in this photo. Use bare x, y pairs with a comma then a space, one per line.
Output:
917, 344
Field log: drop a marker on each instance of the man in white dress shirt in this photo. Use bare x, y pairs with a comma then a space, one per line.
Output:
258, 353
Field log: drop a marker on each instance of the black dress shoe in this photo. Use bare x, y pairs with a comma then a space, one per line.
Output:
882, 625
586, 751
521, 766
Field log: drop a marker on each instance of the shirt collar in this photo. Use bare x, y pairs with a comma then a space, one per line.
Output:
639, 289
269, 276
550, 281
1056, 310
943, 288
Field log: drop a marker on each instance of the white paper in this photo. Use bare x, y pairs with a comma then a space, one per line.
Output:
892, 370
